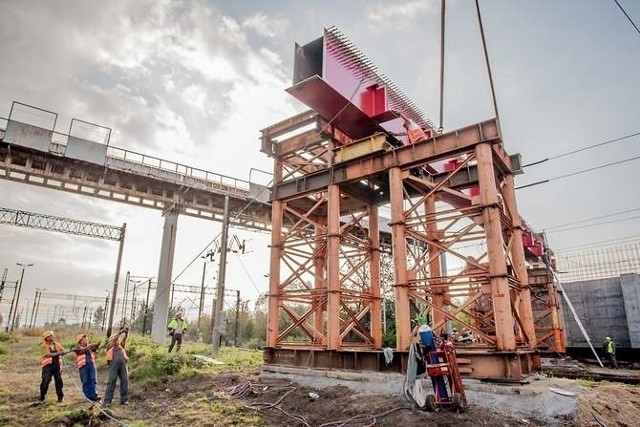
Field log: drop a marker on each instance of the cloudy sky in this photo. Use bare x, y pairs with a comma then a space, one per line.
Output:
195, 81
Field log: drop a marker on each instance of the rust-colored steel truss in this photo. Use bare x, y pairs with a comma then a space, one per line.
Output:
451, 194
547, 315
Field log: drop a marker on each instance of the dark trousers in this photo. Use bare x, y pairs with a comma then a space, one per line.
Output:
49, 371
612, 360
175, 338
88, 378
117, 370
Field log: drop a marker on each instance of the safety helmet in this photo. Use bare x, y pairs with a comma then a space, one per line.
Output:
608, 339
47, 334
79, 337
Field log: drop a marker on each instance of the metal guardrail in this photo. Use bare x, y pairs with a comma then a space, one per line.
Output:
123, 159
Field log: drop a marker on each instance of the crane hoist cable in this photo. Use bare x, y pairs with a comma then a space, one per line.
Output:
442, 34
486, 58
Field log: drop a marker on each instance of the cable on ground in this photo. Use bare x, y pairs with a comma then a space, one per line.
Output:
91, 402
248, 388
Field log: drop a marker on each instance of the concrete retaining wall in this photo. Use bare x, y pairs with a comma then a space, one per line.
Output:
606, 307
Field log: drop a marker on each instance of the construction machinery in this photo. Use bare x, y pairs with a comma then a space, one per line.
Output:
434, 358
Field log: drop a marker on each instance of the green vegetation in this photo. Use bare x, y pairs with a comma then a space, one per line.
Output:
221, 413
8, 338
3, 351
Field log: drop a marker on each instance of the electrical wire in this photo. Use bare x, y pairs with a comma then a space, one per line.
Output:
599, 244
619, 162
579, 150
590, 219
627, 15
580, 227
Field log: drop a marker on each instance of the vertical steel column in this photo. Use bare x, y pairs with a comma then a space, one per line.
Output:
319, 270
525, 311
201, 305
505, 337
163, 291
398, 236
277, 216
438, 292
333, 267
374, 273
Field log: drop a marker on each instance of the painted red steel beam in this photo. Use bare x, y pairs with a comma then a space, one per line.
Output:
440, 147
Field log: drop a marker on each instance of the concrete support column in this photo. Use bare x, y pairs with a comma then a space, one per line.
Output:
333, 268
165, 270
525, 311
374, 274
399, 246
499, 282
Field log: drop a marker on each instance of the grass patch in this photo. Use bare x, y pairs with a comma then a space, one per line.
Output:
3, 351
240, 358
222, 412
8, 338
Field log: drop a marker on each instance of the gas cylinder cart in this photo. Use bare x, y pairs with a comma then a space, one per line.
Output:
434, 358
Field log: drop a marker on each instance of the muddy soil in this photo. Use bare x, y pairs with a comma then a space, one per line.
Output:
610, 405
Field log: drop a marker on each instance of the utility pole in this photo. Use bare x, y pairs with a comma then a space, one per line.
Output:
4, 279
215, 337
201, 305
115, 281
84, 316
33, 310
104, 312
146, 310
133, 302
35, 319
236, 334
126, 293
17, 294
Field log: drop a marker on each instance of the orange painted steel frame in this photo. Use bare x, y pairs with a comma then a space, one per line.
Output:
324, 290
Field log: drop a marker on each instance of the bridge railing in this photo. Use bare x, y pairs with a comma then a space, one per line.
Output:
121, 158
181, 170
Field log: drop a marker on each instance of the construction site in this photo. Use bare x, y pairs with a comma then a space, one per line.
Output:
377, 266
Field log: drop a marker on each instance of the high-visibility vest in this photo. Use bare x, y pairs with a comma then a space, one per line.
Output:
81, 359
610, 347
49, 360
110, 353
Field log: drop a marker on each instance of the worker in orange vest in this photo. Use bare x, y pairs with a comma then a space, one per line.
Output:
117, 361
50, 363
86, 361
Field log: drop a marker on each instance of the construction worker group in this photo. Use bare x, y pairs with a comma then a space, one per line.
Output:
85, 357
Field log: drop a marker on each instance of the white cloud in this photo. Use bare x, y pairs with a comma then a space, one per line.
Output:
266, 26
399, 12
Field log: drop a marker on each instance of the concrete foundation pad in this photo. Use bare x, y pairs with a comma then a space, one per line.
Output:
535, 399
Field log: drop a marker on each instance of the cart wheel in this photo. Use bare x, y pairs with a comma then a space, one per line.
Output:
458, 403
430, 403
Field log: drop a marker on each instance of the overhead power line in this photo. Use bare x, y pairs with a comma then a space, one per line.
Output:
627, 15
578, 172
580, 227
590, 219
579, 150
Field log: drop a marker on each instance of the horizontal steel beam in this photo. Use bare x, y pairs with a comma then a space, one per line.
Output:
440, 147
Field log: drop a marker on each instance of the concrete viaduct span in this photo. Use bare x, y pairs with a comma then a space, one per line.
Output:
82, 162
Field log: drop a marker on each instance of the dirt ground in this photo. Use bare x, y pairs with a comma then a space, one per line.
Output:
242, 398
610, 405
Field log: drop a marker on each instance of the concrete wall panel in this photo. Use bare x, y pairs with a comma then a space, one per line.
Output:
26, 135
